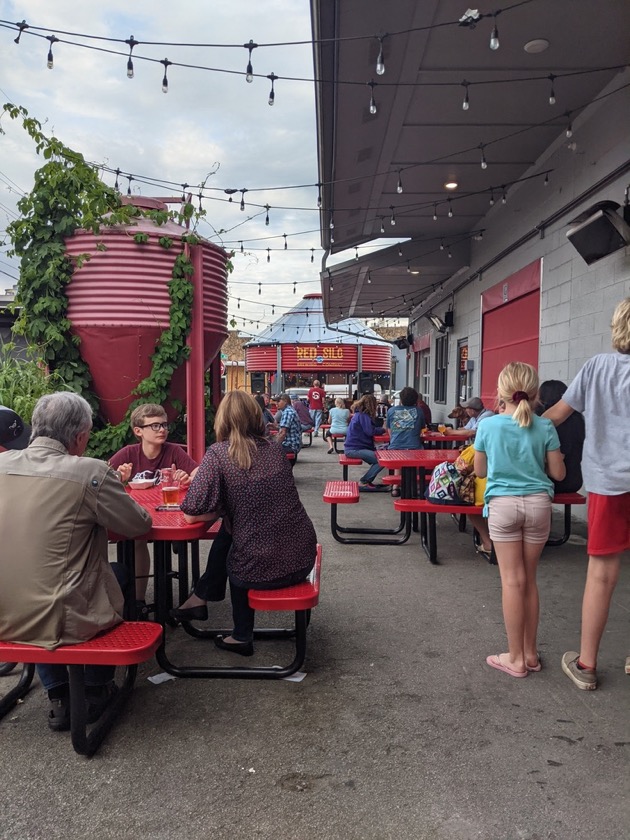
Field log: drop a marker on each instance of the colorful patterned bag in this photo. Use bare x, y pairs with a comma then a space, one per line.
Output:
449, 487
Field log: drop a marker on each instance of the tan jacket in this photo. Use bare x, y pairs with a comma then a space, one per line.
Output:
56, 585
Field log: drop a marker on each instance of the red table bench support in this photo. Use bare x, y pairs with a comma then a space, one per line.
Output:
346, 462
127, 644
299, 599
347, 493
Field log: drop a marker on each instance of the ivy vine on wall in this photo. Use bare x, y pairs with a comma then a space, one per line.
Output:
67, 195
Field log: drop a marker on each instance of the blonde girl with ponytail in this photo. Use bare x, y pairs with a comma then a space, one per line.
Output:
519, 453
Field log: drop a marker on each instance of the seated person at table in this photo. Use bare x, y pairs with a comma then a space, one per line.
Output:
424, 408
56, 585
144, 460
303, 414
289, 426
571, 433
360, 436
267, 415
476, 412
247, 479
405, 423
339, 417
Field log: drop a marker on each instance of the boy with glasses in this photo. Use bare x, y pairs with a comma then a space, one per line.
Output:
144, 461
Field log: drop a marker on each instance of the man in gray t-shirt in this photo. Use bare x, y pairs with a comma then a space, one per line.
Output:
601, 391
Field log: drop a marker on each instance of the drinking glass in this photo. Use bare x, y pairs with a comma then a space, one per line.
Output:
170, 488
442, 429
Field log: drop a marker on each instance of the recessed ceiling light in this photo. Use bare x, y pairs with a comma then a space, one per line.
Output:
451, 185
538, 45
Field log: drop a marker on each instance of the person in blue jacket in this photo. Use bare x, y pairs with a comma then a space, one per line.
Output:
359, 441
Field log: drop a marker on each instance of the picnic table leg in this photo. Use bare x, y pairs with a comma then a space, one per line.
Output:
19, 691
567, 529
428, 536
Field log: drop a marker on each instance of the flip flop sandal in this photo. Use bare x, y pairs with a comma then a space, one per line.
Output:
537, 667
494, 661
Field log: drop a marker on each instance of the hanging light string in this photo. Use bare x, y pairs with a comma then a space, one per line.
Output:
35, 32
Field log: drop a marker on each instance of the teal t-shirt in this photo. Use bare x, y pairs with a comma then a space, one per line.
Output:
516, 455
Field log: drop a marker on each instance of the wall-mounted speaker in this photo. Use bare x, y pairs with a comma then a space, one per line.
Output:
449, 318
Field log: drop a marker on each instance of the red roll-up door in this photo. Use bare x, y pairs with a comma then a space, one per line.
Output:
511, 327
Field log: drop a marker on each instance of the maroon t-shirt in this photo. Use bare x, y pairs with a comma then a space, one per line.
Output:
146, 468
316, 397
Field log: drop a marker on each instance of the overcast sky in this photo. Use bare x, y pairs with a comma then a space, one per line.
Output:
207, 121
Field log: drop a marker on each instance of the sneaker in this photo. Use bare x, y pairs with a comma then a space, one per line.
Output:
584, 678
59, 714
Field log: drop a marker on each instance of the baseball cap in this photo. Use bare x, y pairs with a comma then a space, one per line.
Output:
14, 432
475, 403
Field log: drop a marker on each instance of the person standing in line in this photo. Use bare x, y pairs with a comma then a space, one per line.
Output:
519, 453
601, 391
316, 397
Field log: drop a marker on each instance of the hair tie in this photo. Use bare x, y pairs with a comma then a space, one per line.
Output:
517, 396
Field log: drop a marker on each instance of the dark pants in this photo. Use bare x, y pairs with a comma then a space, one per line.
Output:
55, 676
211, 585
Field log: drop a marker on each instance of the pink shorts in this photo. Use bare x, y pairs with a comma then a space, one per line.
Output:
515, 518
608, 524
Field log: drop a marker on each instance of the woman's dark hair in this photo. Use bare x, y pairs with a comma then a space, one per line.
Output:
408, 396
261, 401
549, 393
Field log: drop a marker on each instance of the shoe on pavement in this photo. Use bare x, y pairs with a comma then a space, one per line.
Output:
59, 714
584, 678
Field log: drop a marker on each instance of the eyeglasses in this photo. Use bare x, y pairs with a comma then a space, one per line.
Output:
155, 427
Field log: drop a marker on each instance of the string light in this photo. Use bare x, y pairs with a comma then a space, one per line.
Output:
494, 37
331, 223
372, 85
491, 198
116, 185
267, 208
569, 131
466, 101
21, 26
484, 162
382, 226
504, 196
285, 241
241, 246
259, 288
294, 287
268, 255
249, 72
369, 276
312, 254
243, 191
131, 41
399, 186
392, 219
356, 253
435, 216
200, 196
552, 93
272, 94
49, 60
546, 181
408, 268
184, 188
166, 64
441, 244
319, 195
380, 61
450, 209
273, 309
238, 303
130, 179
448, 253
400, 253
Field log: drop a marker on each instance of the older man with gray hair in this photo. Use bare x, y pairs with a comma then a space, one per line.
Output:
56, 585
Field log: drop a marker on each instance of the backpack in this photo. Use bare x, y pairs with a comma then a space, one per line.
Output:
449, 487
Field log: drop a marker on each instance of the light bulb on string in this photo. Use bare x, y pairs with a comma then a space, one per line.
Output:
491, 198
450, 209
129, 179
332, 238
294, 287
116, 185
483, 162
243, 191
285, 241
267, 208
400, 252
200, 196
249, 72
552, 93
166, 64
504, 196
241, 246
569, 131
259, 288
184, 188
408, 268
131, 42
380, 61
331, 223
494, 37
268, 255
21, 26
441, 244
372, 85
312, 254
273, 309
49, 59
399, 186
435, 216
369, 276
319, 195
238, 303
466, 100
448, 253
392, 219
272, 93
371, 309
356, 253
382, 226
546, 181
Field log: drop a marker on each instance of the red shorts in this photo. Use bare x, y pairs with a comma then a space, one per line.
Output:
608, 523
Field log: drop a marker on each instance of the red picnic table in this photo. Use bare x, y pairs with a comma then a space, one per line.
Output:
440, 441
411, 462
